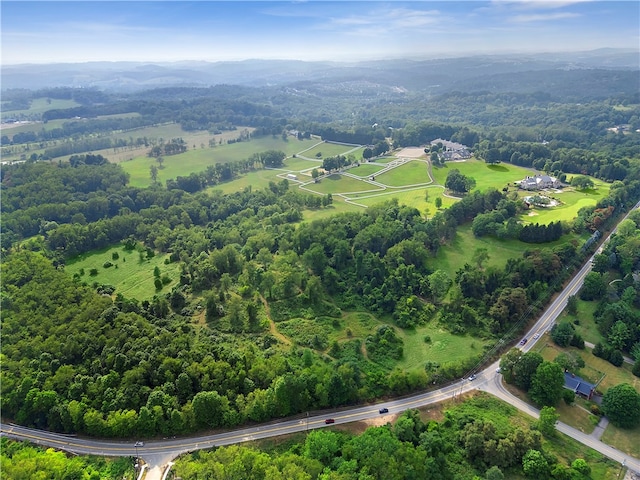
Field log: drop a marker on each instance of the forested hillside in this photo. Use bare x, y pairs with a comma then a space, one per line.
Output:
264, 313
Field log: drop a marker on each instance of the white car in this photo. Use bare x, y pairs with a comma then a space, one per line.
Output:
536, 336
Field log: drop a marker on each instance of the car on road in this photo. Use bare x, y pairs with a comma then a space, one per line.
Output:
523, 341
472, 377
536, 336
498, 370
139, 444
384, 410
329, 420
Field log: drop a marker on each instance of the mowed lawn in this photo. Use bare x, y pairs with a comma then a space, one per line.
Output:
320, 150
132, 277
365, 169
486, 175
411, 173
341, 184
197, 160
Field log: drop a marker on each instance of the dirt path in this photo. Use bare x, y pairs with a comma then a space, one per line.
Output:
272, 325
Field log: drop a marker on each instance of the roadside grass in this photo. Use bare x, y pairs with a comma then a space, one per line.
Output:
365, 169
575, 416
132, 277
39, 106
443, 347
411, 173
341, 184
625, 440
586, 327
194, 161
487, 176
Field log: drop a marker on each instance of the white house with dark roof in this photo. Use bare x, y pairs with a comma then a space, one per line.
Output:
453, 150
539, 182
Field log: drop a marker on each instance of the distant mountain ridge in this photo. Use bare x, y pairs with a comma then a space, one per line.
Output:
392, 73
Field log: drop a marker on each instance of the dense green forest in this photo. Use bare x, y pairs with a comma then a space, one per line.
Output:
245, 333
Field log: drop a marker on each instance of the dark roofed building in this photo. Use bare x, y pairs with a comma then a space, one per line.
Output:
579, 385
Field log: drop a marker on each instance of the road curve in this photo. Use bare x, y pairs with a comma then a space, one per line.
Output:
158, 453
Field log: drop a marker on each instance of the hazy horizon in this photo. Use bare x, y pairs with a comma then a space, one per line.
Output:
46, 32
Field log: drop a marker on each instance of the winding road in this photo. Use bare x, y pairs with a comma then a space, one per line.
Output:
158, 454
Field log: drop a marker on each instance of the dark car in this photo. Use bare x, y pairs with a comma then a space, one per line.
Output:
384, 410
329, 420
523, 341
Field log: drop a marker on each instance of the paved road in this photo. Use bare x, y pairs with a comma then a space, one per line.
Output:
159, 453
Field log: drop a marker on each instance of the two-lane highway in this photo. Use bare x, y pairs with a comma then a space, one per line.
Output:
158, 453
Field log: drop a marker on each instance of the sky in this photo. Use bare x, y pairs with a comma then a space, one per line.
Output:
169, 31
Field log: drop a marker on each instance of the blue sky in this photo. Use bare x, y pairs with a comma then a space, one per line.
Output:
81, 31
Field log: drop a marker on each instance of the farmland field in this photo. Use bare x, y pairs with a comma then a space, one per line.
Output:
39, 106
132, 273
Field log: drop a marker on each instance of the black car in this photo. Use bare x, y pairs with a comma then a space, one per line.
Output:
384, 410
329, 420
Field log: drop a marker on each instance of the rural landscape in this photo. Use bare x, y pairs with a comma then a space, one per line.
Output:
393, 269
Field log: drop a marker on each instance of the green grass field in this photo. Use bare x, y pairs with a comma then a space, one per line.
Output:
587, 326
411, 173
365, 169
413, 198
341, 184
623, 439
257, 180
571, 201
453, 256
329, 150
193, 161
486, 175
133, 277
443, 348
301, 165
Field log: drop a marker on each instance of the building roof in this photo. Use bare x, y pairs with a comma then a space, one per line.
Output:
577, 384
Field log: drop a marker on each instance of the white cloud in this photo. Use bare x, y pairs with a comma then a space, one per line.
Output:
543, 17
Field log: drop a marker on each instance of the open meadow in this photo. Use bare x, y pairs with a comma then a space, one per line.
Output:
131, 271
